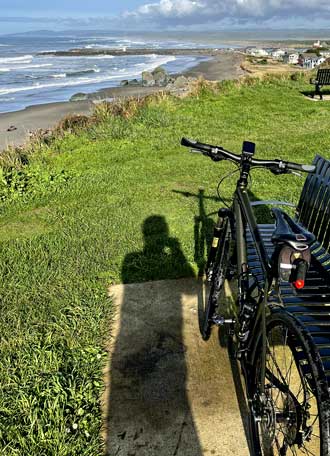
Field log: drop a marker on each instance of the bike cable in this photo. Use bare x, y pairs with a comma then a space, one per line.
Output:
223, 179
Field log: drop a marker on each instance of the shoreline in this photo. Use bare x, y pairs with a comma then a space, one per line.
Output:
221, 66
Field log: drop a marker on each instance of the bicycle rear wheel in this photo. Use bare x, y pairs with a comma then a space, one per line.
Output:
216, 274
292, 416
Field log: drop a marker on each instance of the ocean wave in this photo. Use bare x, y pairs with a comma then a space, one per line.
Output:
82, 72
23, 58
24, 67
98, 57
96, 46
58, 76
67, 83
142, 43
119, 74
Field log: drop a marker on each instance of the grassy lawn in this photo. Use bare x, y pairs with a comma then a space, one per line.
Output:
77, 212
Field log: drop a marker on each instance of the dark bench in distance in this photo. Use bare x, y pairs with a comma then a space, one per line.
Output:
322, 79
310, 305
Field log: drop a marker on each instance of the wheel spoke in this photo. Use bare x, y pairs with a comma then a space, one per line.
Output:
288, 397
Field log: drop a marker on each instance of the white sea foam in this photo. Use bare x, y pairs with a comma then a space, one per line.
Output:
71, 82
108, 56
58, 76
24, 67
97, 46
142, 43
23, 58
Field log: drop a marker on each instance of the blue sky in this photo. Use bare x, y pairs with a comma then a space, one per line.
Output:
66, 7
23, 15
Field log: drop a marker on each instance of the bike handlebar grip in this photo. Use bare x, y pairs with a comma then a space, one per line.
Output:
196, 145
188, 142
309, 168
297, 167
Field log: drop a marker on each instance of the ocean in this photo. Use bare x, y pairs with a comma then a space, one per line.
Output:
27, 78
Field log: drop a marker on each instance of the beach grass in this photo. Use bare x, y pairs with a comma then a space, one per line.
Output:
75, 212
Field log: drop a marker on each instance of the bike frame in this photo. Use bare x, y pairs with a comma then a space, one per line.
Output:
244, 217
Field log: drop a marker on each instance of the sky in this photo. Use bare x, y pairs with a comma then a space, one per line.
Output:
24, 15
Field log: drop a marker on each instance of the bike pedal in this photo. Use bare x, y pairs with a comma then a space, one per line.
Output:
218, 320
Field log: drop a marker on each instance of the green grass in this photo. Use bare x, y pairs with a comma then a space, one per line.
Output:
67, 232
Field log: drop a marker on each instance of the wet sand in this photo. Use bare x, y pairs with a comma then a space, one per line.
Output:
224, 65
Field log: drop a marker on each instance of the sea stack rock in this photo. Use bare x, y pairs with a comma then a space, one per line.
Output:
160, 76
181, 82
147, 79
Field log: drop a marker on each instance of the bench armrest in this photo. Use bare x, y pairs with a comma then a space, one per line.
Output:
313, 81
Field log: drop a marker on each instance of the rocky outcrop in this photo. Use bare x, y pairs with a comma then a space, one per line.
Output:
79, 97
159, 77
132, 83
181, 82
147, 79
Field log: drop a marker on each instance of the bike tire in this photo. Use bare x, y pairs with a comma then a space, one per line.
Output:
219, 273
292, 417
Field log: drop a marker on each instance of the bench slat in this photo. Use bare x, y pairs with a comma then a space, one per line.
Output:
314, 204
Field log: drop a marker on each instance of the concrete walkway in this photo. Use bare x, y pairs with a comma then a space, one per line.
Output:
168, 393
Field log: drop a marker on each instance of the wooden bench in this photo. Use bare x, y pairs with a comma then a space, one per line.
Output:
322, 79
311, 305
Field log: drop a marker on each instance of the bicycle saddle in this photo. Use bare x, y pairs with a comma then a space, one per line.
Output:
287, 231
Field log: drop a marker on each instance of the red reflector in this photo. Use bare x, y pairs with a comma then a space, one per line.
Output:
299, 284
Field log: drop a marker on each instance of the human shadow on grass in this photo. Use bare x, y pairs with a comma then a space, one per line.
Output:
148, 409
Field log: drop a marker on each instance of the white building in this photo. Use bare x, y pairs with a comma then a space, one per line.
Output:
277, 54
257, 52
291, 57
310, 60
325, 54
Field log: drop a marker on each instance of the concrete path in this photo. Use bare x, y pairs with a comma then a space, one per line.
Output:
168, 393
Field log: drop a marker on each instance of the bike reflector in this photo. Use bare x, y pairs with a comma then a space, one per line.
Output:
299, 284
293, 265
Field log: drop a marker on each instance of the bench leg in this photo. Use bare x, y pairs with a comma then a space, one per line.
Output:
318, 91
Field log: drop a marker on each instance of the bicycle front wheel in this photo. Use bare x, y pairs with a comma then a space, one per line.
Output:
291, 416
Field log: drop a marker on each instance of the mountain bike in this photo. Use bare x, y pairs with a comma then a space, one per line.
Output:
286, 390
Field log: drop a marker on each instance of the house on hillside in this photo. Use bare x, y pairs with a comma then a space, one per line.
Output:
277, 54
325, 54
310, 60
256, 52
291, 58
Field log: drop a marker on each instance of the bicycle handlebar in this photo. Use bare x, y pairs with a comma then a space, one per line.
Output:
218, 153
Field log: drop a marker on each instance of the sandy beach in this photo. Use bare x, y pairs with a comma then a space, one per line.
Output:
15, 127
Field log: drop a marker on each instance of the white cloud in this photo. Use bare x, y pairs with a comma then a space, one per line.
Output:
184, 12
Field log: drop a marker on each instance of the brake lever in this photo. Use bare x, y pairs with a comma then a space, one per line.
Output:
296, 173
196, 151
277, 172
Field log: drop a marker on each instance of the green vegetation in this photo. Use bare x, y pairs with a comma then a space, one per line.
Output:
72, 210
